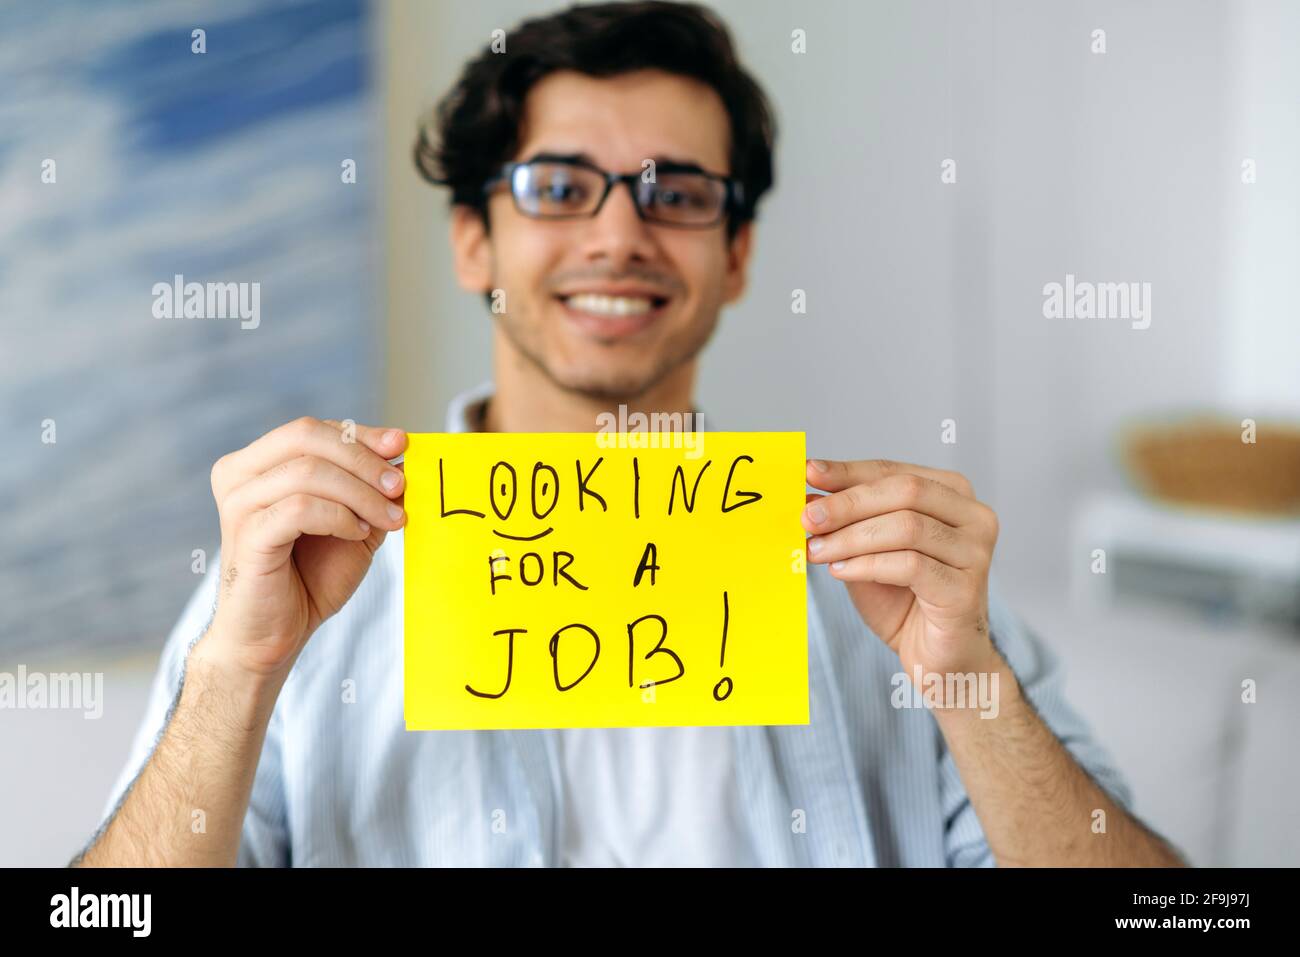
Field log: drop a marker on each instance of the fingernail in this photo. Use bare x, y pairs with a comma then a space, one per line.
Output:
820, 466
390, 479
394, 512
365, 527
837, 565
816, 513
391, 437
814, 546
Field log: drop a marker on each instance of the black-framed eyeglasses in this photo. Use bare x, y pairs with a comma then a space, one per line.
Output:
670, 194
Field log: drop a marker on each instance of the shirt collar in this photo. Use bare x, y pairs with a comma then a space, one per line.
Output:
465, 409
464, 412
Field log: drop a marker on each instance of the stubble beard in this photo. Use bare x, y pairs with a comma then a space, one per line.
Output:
615, 386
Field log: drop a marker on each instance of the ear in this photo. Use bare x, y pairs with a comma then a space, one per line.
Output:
738, 251
471, 249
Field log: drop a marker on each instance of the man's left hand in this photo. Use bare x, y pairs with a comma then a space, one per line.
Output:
913, 546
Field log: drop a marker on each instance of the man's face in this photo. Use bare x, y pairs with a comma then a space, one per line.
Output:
603, 343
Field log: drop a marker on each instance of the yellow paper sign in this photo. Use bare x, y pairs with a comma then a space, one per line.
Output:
570, 580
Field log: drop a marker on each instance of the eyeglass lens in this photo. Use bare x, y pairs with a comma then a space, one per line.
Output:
561, 190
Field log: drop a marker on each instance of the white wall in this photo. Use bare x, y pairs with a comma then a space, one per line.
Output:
1113, 167
1263, 359
61, 765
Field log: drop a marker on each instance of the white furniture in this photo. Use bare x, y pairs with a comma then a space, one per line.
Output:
1239, 565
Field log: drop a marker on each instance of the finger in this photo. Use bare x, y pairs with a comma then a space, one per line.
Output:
300, 514
833, 475
382, 440
378, 533
930, 580
317, 477
896, 531
308, 436
890, 494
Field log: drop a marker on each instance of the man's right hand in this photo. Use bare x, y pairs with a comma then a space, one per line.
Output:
303, 510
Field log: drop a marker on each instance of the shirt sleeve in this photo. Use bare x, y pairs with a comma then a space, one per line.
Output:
265, 838
1042, 678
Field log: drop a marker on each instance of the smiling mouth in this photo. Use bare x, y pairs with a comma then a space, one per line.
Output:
610, 317
524, 538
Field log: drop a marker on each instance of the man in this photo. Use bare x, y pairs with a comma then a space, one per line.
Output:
612, 283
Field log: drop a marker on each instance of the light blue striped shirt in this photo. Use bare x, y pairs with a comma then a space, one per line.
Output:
343, 784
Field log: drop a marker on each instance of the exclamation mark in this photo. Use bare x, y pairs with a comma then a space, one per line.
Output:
721, 693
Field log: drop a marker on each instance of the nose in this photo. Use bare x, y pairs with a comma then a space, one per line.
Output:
618, 234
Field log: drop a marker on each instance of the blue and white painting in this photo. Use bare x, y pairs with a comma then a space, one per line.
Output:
128, 156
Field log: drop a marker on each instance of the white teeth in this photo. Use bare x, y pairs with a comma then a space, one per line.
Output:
609, 305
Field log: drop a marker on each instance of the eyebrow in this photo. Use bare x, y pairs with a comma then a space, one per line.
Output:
667, 163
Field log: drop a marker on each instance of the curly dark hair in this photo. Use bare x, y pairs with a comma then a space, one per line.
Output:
475, 127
